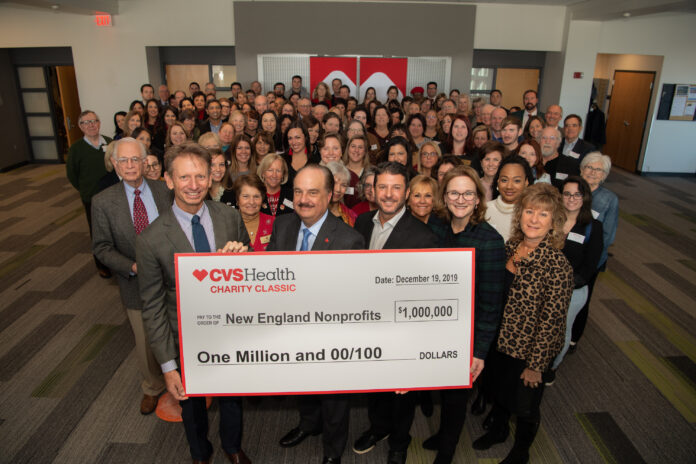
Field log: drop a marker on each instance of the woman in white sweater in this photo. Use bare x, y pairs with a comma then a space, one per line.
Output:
514, 174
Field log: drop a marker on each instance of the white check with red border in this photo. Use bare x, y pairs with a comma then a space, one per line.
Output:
325, 322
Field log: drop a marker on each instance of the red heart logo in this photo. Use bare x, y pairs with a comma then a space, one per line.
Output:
200, 274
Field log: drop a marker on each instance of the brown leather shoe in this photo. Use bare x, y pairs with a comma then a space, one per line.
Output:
148, 404
238, 458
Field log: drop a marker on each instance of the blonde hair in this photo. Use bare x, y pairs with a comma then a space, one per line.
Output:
108, 153
421, 179
210, 137
266, 163
541, 196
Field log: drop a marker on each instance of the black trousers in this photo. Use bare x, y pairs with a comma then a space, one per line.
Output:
392, 414
511, 396
195, 417
328, 414
88, 212
452, 417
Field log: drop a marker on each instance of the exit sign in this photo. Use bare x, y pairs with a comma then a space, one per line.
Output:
102, 19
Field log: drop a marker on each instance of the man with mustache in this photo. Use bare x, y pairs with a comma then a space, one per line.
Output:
312, 227
391, 227
530, 100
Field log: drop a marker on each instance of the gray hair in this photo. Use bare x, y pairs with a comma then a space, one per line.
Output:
339, 170
596, 156
143, 150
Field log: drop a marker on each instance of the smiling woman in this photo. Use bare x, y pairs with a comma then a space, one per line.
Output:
464, 226
513, 176
539, 284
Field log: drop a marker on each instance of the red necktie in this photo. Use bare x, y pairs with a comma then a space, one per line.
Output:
140, 220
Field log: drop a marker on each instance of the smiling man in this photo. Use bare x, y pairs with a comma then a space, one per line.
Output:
391, 227
313, 228
189, 225
572, 144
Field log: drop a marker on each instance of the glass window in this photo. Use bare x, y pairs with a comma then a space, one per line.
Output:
482, 80
224, 75
35, 102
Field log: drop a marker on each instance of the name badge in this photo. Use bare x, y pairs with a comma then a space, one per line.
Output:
350, 191
265, 239
288, 203
572, 236
572, 154
561, 176
373, 147
595, 214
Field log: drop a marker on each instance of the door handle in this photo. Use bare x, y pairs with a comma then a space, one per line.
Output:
626, 123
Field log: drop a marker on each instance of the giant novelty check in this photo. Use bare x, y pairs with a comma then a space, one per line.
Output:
325, 322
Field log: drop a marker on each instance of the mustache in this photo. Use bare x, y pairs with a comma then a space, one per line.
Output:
306, 205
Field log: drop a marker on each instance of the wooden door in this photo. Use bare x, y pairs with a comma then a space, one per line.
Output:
70, 102
179, 76
628, 110
513, 82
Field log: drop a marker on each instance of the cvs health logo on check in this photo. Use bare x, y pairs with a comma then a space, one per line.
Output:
217, 275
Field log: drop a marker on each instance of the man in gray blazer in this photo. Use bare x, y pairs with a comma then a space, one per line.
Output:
189, 225
313, 227
119, 214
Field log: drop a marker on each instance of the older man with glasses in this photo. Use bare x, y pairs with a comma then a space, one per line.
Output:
85, 166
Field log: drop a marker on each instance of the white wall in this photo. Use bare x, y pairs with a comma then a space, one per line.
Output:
580, 56
519, 27
110, 62
671, 146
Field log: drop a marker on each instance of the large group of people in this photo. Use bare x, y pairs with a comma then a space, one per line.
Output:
284, 170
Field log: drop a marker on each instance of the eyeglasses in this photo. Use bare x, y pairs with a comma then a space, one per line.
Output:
453, 195
89, 122
594, 170
574, 196
426, 153
134, 160
152, 167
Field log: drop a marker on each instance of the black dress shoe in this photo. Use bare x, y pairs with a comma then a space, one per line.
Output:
396, 457
294, 437
432, 443
328, 460
367, 441
478, 407
489, 439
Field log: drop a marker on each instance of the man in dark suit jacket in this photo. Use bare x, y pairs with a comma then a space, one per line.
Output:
313, 227
572, 145
117, 218
214, 120
189, 224
530, 100
391, 227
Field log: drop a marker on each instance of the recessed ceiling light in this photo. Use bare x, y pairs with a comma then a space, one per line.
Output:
55, 6
627, 15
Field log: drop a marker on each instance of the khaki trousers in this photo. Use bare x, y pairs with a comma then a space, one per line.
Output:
153, 382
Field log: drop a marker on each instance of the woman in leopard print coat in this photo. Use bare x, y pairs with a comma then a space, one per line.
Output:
540, 283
